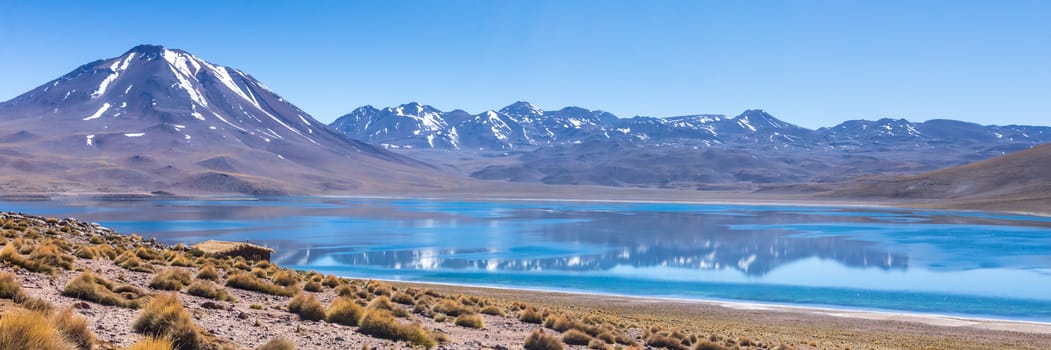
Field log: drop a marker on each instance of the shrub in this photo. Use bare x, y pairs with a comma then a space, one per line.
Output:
542, 341
330, 281
181, 260
492, 310
597, 344
346, 290
381, 303
10, 287
74, 328
171, 279
286, 278
132, 262
344, 311
208, 272
89, 286
470, 321
379, 288
451, 308
30, 330
165, 316
149, 254
9, 254
381, 324
255, 307
151, 343
575, 337
37, 304
312, 287
279, 343
207, 289
664, 340
562, 323
50, 254
402, 298
531, 315
307, 307
86, 252
707, 345
246, 281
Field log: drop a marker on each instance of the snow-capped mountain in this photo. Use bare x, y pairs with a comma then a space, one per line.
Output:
520, 125
524, 126
158, 118
579, 146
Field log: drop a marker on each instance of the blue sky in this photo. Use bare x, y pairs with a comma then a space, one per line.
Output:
813, 63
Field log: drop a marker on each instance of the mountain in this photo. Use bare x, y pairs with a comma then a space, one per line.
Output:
523, 143
1013, 182
157, 119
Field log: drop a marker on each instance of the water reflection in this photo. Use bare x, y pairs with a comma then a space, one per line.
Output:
964, 262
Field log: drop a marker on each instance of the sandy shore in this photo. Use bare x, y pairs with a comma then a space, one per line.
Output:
836, 328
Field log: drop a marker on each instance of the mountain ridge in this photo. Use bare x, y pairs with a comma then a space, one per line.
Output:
573, 145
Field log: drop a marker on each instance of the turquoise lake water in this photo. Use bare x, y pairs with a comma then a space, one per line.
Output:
944, 262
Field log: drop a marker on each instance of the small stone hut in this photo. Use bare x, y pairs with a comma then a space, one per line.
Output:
233, 249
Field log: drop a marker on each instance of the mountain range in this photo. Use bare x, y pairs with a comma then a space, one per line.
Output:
573, 145
157, 119
165, 121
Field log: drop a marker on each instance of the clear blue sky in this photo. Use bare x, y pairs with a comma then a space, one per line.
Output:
813, 63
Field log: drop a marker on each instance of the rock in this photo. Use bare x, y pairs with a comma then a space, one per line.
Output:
81, 305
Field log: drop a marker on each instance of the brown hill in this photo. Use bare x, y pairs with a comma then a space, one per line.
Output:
1014, 182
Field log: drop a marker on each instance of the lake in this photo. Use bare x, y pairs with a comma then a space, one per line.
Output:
945, 262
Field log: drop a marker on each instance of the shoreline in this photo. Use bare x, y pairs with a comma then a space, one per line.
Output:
652, 196
933, 319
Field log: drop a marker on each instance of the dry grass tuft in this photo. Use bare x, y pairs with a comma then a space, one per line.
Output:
10, 287
542, 341
30, 330
381, 324
345, 311
207, 289
165, 317
50, 254
10, 255
90, 287
246, 281
470, 321
74, 328
307, 307
330, 281
171, 279
451, 308
151, 343
286, 278
707, 345
403, 298
209, 273
132, 262
531, 315
312, 287
492, 310
575, 337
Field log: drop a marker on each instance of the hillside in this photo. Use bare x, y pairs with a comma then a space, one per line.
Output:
1013, 182
158, 119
